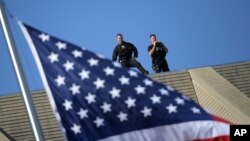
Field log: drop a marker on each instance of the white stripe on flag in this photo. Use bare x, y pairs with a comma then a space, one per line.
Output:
178, 132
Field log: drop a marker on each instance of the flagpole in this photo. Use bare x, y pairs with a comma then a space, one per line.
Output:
20, 75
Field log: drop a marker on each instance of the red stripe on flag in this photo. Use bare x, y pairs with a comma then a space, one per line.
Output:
220, 138
220, 119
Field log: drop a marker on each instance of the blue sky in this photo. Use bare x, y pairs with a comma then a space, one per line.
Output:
197, 32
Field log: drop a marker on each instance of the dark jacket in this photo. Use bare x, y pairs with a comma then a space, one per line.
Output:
159, 53
124, 51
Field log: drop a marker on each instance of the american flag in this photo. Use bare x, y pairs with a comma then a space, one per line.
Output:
97, 99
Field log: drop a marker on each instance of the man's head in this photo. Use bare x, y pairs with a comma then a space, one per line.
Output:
152, 38
119, 38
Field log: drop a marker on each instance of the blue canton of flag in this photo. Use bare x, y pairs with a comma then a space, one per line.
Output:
97, 99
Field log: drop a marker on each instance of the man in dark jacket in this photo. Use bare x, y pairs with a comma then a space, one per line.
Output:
127, 54
158, 51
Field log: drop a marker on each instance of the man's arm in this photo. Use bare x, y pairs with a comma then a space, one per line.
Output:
165, 48
152, 50
135, 51
115, 53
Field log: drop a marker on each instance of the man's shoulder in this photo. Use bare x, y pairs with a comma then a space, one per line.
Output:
160, 43
128, 43
116, 46
150, 47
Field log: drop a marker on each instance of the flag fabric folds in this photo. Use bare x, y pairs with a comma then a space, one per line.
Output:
97, 99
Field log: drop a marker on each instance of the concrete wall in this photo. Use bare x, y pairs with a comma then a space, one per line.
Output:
219, 96
238, 74
14, 118
4, 136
